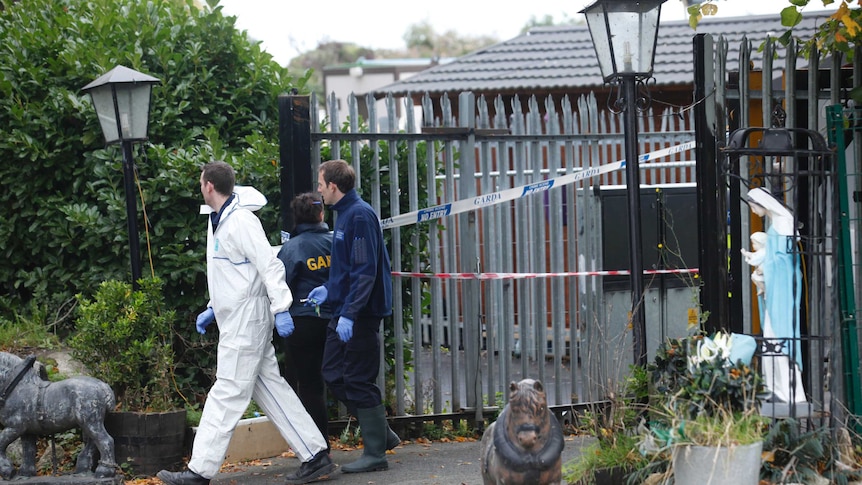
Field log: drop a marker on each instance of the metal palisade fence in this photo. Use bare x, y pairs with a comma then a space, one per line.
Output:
504, 247
501, 224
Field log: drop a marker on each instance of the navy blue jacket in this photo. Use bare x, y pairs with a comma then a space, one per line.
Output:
360, 278
306, 265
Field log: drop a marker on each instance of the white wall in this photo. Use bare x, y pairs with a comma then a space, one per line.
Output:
345, 84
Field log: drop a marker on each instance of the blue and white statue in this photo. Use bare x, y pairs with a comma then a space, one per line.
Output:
779, 301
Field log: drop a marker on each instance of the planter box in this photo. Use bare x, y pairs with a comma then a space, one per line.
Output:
148, 442
711, 465
254, 438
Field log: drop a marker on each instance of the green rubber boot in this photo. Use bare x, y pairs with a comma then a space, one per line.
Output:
392, 439
375, 430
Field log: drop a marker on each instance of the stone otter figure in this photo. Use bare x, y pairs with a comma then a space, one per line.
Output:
31, 407
524, 445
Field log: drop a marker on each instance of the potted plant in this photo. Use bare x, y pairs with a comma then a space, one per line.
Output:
706, 409
614, 454
123, 337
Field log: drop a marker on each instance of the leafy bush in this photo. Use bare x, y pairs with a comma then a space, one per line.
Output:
621, 454
65, 224
123, 337
64, 228
615, 425
704, 396
26, 329
698, 373
794, 455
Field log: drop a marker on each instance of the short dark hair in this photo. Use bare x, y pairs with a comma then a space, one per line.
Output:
339, 173
306, 208
221, 175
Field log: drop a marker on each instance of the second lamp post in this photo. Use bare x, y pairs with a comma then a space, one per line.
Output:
625, 33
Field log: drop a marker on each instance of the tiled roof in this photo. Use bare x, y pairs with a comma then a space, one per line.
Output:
400, 62
562, 57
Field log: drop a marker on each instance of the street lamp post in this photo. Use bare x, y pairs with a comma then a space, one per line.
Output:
624, 34
122, 101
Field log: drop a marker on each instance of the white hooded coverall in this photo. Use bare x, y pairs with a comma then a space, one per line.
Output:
247, 288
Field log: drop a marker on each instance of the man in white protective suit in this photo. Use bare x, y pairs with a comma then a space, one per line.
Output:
246, 288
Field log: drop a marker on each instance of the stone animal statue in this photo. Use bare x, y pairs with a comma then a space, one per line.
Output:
31, 406
524, 445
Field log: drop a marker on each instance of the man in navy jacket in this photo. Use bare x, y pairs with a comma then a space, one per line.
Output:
359, 292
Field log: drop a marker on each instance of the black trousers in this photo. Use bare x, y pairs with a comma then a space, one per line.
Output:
301, 367
350, 369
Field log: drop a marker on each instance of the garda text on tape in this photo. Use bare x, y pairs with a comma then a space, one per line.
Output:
464, 205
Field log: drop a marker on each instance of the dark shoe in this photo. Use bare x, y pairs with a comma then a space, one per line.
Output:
187, 477
318, 466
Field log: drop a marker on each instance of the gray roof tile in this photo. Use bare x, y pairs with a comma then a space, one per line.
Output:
562, 57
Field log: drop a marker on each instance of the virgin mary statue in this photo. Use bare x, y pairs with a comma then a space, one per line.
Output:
779, 302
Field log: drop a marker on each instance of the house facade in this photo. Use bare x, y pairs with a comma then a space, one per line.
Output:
365, 76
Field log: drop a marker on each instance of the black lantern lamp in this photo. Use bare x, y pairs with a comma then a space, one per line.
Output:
122, 101
625, 34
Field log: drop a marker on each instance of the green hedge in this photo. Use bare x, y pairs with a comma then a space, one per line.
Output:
63, 225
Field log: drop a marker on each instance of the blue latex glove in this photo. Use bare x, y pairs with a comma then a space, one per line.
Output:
317, 296
284, 324
205, 318
344, 328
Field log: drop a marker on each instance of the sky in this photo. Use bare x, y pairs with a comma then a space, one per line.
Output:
288, 28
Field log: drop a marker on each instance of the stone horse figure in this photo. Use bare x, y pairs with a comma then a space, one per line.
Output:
31, 406
524, 445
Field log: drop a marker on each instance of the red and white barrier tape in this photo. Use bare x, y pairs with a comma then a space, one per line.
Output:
515, 276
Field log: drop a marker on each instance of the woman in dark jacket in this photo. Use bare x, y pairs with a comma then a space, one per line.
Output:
306, 263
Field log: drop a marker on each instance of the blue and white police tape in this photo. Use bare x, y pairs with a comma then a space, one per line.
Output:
486, 200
